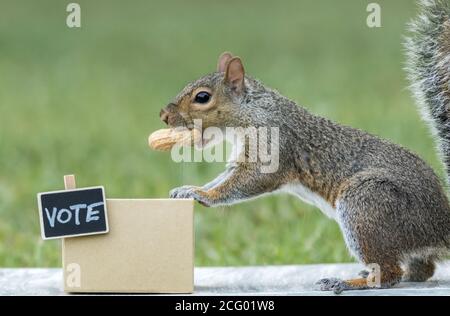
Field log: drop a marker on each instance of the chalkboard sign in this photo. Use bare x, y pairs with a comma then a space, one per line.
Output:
70, 213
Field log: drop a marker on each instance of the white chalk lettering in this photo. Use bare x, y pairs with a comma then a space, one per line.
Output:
77, 208
91, 213
73, 213
60, 215
51, 218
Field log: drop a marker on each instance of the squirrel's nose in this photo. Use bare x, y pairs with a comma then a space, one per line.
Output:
164, 115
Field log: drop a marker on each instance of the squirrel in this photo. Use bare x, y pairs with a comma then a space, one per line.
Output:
390, 205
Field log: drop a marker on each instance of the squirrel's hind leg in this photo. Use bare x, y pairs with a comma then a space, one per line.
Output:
367, 211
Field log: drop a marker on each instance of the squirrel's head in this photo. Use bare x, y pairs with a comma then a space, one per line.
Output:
214, 99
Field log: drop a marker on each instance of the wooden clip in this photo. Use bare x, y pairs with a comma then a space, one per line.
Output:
69, 182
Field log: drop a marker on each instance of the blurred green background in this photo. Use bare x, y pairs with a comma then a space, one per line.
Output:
83, 101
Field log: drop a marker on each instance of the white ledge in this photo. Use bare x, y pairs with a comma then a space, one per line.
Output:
258, 280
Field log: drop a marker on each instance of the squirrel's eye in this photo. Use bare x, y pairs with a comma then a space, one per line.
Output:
202, 97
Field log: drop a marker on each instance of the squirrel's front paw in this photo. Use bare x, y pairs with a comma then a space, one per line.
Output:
189, 192
183, 192
332, 284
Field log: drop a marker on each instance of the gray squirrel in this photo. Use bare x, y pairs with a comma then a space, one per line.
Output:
390, 205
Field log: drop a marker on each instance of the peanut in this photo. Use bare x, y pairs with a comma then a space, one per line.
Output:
165, 139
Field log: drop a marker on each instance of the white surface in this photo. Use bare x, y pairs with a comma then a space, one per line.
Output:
261, 280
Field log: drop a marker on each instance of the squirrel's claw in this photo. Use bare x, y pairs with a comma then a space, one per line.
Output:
189, 192
364, 274
333, 284
183, 192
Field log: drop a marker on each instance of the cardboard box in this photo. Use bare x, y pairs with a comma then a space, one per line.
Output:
149, 249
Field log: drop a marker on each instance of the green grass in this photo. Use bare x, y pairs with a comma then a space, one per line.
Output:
84, 100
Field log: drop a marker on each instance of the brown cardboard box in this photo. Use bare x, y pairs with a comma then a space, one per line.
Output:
149, 249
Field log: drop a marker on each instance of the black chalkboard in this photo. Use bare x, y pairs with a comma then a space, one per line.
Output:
71, 213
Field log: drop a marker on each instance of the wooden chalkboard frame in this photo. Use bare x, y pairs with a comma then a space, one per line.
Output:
41, 214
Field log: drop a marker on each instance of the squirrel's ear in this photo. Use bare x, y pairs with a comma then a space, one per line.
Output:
223, 60
234, 74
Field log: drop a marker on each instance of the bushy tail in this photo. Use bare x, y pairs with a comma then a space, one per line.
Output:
428, 51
